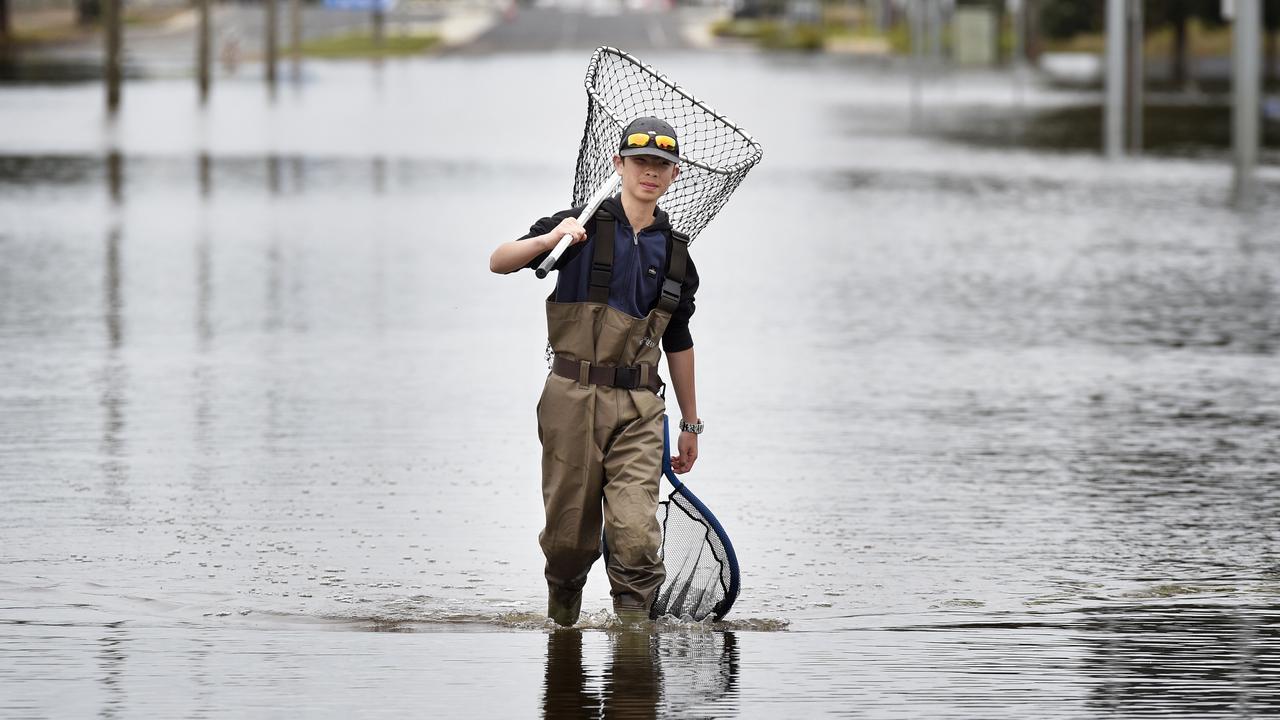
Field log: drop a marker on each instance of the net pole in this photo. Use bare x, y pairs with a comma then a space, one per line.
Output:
602, 192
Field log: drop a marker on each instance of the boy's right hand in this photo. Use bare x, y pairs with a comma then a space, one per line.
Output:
569, 226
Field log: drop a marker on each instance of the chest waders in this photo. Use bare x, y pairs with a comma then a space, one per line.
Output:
600, 424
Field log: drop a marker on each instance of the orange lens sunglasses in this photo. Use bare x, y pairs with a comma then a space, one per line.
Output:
639, 140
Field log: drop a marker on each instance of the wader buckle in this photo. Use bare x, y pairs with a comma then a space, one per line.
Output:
627, 378
670, 293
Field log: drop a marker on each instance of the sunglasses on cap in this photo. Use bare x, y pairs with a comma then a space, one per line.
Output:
663, 142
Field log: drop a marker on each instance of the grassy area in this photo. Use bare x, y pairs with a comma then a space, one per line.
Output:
361, 45
61, 27
776, 34
781, 35
1202, 41
51, 35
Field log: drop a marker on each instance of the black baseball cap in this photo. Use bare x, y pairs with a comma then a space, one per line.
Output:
650, 136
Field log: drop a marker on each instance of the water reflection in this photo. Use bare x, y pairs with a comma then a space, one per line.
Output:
377, 174
1186, 660
115, 176
204, 174
1177, 129
648, 675
1027, 376
273, 174
114, 373
112, 658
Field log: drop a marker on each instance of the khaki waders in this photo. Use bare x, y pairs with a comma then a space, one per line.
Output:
601, 455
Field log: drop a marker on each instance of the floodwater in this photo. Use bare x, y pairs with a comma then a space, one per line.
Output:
993, 429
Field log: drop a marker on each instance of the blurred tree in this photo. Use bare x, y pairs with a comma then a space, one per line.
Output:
88, 12
1178, 14
1271, 21
1062, 19
4, 22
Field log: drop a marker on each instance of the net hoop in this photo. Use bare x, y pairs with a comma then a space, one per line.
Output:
715, 154
593, 69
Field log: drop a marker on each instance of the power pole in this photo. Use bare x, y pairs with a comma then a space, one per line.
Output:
1018, 11
1246, 90
379, 24
1113, 112
273, 13
934, 19
915, 23
204, 48
1135, 97
295, 37
114, 28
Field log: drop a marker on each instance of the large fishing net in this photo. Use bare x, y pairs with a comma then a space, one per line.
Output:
715, 154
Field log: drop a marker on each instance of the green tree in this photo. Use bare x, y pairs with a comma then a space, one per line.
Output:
1062, 19
88, 12
1178, 14
1271, 21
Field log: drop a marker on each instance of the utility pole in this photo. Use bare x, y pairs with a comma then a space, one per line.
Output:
113, 28
379, 24
1017, 10
934, 18
273, 12
1135, 97
1113, 112
295, 37
204, 49
1246, 89
915, 22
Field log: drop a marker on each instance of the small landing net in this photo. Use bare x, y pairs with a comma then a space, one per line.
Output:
702, 569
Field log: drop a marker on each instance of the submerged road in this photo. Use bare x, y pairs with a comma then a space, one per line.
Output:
529, 29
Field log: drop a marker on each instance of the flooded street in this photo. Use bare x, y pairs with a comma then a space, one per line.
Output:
992, 428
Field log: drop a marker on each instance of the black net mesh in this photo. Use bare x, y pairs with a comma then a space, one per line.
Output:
715, 154
699, 570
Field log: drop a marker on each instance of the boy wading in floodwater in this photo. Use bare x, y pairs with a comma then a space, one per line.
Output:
625, 283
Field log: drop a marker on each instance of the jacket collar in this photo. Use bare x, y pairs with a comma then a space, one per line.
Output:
661, 223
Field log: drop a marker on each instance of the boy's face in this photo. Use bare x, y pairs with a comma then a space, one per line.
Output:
644, 176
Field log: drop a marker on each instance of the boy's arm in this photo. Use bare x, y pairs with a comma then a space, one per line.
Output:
515, 254
682, 374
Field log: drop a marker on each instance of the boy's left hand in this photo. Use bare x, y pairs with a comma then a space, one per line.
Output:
688, 446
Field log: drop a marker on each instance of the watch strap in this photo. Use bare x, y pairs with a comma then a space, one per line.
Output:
695, 428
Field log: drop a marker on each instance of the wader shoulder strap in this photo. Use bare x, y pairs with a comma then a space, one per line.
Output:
602, 259
676, 261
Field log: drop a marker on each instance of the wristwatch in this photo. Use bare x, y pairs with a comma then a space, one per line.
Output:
695, 428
